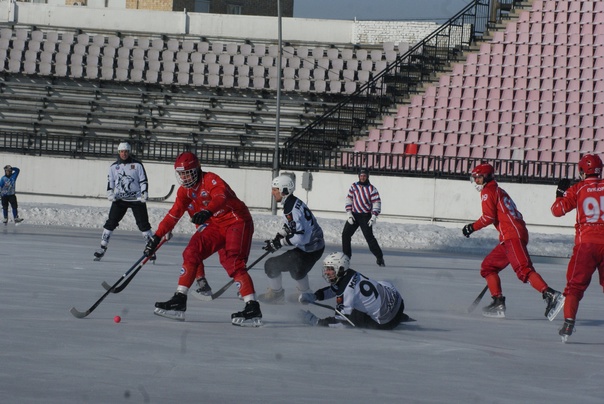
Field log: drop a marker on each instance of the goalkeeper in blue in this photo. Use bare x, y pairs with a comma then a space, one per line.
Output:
360, 302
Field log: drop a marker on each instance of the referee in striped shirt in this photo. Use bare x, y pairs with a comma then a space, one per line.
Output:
363, 205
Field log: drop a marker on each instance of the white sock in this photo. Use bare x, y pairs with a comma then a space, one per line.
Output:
303, 285
276, 283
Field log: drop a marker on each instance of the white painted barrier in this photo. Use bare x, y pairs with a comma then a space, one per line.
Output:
403, 199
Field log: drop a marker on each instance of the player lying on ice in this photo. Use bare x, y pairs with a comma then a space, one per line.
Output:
360, 301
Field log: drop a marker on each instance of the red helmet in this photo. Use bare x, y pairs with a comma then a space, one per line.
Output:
187, 169
484, 170
589, 165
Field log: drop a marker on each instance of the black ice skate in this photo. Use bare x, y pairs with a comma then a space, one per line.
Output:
496, 309
380, 262
567, 329
5, 220
203, 291
250, 316
554, 302
98, 254
18, 220
174, 308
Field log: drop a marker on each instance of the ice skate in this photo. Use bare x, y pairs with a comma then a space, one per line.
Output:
496, 309
380, 262
98, 254
203, 290
554, 301
273, 296
174, 308
250, 316
5, 220
567, 329
18, 220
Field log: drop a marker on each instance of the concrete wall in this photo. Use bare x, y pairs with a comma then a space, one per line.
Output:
117, 18
403, 199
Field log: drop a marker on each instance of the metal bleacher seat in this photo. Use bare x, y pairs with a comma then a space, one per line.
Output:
196, 57
228, 81
6, 33
136, 74
173, 45
121, 74
45, 68
30, 67
167, 77
157, 44
76, 70
243, 80
213, 80
112, 40
92, 71
151, 76
245, 49
22, 33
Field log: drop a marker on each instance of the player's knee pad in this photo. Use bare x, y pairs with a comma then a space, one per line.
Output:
271, 268
297, 273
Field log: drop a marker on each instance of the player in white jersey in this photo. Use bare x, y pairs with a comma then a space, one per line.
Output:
360, 301
126, 189
301, 231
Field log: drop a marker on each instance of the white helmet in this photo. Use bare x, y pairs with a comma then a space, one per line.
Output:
285, 183
124, 146
334, 266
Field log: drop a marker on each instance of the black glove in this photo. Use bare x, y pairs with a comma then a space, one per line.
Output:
272, 245
468, 229
201, 217
563, 185
151, 245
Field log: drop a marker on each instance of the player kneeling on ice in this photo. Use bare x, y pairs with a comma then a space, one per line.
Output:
500, 210
227, 229
300, 230
360, 301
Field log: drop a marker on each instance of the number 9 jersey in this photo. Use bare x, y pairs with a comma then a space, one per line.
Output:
355, 292
587, 197
499, 209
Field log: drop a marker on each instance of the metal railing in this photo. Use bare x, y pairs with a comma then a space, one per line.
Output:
403, 165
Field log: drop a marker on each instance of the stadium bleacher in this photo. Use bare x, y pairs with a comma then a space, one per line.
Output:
79, 66
534, 92
534, 82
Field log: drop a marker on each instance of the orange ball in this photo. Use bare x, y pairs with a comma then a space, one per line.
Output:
117, 319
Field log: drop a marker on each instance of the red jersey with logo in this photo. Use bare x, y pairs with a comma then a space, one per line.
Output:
500, 210
587, 197
211, 193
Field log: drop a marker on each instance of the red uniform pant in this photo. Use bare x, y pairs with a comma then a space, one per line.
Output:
587, 257
511, 252
233, 245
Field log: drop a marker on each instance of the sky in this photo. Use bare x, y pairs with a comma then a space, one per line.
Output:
48, 356
397, 10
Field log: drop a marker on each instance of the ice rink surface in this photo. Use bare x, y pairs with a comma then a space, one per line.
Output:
447, 355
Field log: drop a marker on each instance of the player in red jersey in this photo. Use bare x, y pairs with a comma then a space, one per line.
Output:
499, 210
226, 227
587, 197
